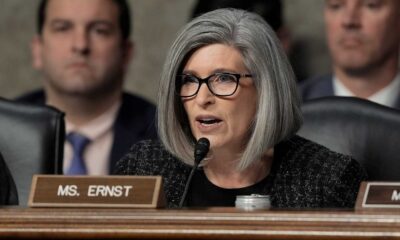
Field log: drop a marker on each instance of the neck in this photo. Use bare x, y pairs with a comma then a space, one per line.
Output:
80, 110
224, 173
365, 83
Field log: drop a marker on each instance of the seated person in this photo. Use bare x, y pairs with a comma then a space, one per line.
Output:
8, 191
82, 49
248, 108
363, 39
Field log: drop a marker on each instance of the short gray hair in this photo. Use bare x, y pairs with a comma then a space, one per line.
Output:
278, 114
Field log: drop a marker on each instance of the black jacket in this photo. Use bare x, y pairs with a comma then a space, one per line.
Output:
307, 175
135, 121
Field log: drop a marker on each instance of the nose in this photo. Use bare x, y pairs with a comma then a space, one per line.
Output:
80, 44
204, 96
351, 17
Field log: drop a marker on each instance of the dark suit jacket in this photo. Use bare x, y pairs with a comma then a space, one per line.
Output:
135, 121
305, 174
8, 191
323, 87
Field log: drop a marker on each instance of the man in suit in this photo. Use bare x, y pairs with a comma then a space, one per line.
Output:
83, 50
364, 42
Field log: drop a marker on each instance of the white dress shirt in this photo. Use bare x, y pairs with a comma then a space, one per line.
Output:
100, 132
386, 96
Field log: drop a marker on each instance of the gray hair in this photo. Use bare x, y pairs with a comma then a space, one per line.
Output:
278, 114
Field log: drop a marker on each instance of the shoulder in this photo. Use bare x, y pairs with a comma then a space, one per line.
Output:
316, 176
316, 87
138, 103
35, 97
136, 112
300, 154
136, 119
148, 157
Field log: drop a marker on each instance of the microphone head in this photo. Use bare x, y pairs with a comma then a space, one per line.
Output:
201, 149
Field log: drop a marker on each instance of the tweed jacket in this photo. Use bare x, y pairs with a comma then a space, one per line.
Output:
307, 175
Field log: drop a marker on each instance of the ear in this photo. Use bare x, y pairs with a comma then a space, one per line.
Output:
36, 51
127, 53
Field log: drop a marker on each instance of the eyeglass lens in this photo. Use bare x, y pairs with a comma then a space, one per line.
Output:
222, 84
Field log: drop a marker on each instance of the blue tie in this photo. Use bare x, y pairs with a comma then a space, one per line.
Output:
79, 142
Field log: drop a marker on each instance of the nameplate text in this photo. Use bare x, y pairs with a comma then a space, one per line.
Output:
90, 191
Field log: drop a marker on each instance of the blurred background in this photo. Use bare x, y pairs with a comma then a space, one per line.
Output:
156, 23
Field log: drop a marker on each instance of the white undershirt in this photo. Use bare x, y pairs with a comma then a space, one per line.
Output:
386, 96
97, 152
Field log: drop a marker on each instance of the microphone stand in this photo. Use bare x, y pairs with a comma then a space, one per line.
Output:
200, 151
188, 184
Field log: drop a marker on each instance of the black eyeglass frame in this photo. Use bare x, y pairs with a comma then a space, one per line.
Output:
237, 77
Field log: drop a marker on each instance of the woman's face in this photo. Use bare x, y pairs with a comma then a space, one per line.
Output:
225, 121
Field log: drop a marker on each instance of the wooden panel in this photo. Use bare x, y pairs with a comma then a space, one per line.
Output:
213, 223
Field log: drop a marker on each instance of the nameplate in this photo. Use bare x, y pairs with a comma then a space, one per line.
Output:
90, 191
378, 195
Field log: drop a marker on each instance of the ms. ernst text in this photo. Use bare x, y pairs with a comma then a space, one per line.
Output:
95, 191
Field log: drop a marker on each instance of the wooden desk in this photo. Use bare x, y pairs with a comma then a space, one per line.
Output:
216, 223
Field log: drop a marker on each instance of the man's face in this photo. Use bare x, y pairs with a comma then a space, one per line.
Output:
362, 34
81, 51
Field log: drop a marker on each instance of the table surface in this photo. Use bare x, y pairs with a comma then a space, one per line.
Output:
210, 223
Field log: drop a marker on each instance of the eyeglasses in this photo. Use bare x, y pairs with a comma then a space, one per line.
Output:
219, 84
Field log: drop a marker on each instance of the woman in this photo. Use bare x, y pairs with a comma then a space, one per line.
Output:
248, 108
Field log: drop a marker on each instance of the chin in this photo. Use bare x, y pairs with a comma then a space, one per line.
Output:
355, 70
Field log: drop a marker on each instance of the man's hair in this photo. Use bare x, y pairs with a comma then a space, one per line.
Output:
278, 115
124, 17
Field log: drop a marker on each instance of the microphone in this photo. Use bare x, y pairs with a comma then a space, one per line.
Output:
200, 151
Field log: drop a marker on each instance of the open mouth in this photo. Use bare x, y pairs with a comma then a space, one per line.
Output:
208, 121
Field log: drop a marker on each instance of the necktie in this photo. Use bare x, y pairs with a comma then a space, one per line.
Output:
79, 142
